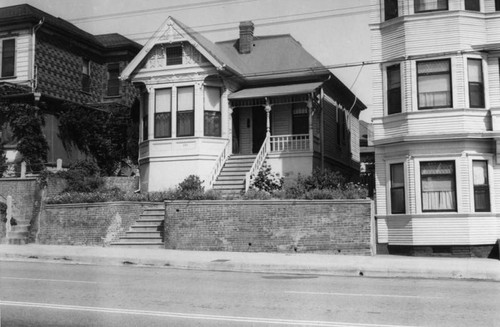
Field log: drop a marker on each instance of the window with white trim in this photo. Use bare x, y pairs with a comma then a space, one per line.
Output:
394, 89
8, 50
430, 5
476, 86
397, 188
497, 5
438, 186
481, 186
212, 119
434, 84
163, 113
145, 108
185, 111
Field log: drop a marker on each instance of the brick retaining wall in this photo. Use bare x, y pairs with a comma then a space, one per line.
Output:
328, 226
94, 224
25, 196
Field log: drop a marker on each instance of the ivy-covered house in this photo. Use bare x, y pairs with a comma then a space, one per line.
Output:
48, 65
219, 110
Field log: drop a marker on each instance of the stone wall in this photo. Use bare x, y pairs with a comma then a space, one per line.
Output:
327, 226
96, 224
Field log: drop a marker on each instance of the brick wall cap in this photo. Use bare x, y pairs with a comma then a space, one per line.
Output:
260, 202
99, 204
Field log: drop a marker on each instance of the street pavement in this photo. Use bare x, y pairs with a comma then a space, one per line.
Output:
291, 263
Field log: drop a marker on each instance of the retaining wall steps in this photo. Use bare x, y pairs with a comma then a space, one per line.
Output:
17, 235
147, 231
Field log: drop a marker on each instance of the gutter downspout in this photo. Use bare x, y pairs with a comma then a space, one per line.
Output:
33, 72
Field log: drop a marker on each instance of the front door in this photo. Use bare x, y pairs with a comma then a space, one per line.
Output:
258, 128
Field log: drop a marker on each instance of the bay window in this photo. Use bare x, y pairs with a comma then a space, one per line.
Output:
434, 84
430, 5
8, 50
481, 185
393, 89
185, 111
212, 103
476, 87
438, 186
163, 113
397, 188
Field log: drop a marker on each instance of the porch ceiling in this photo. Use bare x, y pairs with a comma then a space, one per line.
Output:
272, 91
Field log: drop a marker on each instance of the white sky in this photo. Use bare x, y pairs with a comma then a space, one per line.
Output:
336, 32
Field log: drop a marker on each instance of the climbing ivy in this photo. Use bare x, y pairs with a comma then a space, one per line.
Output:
26, 122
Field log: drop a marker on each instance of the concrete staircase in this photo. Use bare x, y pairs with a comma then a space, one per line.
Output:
147, 231
231, 180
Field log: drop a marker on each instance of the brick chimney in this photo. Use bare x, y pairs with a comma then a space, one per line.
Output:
246, 37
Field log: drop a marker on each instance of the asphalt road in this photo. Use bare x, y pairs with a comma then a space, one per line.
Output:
43, 294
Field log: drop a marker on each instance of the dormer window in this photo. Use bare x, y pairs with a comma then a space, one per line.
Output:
174, 55
430, 5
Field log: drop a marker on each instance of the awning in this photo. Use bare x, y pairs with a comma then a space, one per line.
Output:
272, 91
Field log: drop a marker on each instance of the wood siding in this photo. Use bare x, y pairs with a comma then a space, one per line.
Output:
23, 55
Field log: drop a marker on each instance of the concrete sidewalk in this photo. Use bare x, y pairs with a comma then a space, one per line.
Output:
282, 263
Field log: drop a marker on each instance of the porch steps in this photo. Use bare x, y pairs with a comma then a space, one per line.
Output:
147, 231
231, 180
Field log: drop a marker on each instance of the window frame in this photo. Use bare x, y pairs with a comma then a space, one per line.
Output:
455, 184
115, 82
86, 80
430, 10
215, 113
486, 186
176, 60
391, 188
145, 116
476, 5
481, 84
398, 89
298, 117
191, 112
390, 8
3, 58
159, 114
450, 78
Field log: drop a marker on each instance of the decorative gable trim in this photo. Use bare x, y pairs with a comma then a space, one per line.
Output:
169, 32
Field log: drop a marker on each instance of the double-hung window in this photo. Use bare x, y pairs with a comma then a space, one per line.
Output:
481, 185
185, 111
438, 186
8, 58
430, 5
113, 79
393, 89
212, 124
397, 188
497, 5
390, 9
476, 87
434, 84
472, 5
163, 113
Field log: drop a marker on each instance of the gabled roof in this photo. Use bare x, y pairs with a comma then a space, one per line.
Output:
279, 56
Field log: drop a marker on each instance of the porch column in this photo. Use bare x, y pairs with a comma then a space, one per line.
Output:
267, 108
311, 134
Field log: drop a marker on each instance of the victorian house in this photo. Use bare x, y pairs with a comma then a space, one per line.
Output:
45, 60
437, 125
219, 110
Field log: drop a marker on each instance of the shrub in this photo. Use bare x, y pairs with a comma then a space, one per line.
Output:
266, 180
82, 176
191, 183
255, 194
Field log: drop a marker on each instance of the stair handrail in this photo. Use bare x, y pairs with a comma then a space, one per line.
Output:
219, 163
257, 163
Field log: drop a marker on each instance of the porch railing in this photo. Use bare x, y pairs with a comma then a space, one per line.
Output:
219, 163
288, 143
259, 160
